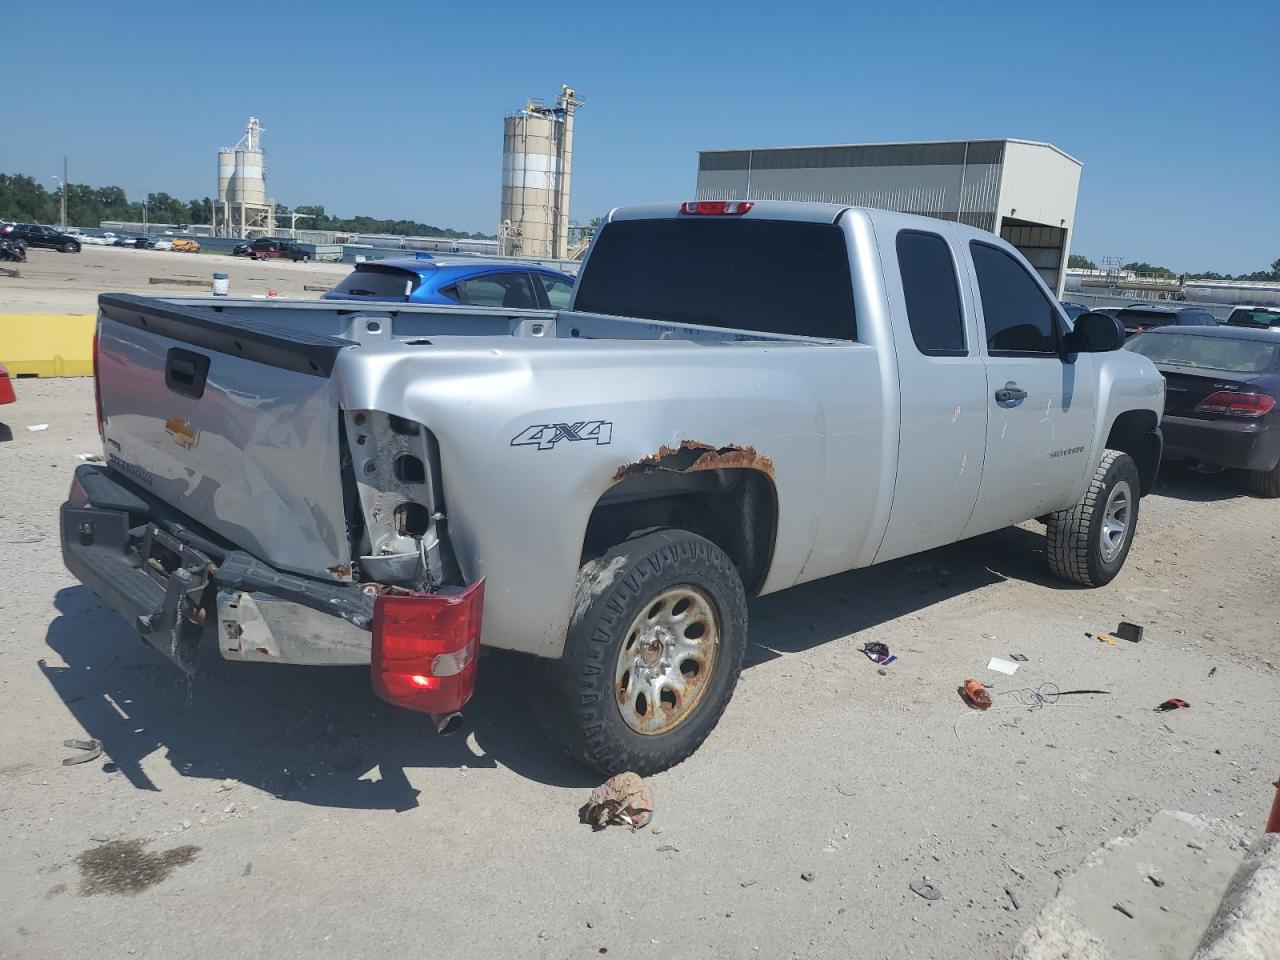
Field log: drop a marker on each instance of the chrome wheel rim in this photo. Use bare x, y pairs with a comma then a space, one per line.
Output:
1116, 517
667, 660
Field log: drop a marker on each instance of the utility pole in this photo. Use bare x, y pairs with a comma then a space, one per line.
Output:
64, 193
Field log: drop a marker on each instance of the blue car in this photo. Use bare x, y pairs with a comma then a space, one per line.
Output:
454, 280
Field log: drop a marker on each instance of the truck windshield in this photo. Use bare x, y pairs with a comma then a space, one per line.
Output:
375, 281
769, 276
1245, 317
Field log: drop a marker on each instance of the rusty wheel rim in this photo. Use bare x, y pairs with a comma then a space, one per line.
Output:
667, 659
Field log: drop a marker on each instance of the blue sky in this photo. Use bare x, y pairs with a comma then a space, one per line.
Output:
395, 108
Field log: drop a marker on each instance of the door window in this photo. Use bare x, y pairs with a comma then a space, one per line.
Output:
932, 294
558, 291
1019, 318
510, 290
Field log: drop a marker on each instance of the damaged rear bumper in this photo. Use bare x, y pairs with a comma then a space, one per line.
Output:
176, 586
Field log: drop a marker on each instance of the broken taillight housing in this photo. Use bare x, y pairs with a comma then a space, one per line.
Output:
97, 383
425, 648
1232, 404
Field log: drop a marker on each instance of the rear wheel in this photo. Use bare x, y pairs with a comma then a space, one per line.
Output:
1265, 483
652, 654
1089, 542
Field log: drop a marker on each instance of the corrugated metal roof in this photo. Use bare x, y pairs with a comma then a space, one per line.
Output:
890, 144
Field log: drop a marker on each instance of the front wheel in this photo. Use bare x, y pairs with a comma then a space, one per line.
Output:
70, 248
1089, 542
652, 654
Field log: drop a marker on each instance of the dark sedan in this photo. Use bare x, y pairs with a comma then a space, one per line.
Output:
34, 235
1222, 384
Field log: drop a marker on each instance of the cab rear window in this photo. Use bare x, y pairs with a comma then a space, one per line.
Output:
768, 276
374, 281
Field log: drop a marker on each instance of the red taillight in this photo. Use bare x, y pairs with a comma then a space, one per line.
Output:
717, 208
425, 648
97, 383
1233, 404
6, 386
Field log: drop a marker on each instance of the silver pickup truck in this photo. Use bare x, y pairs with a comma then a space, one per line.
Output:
741, 398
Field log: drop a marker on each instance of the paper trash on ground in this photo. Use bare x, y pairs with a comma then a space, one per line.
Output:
1000, 665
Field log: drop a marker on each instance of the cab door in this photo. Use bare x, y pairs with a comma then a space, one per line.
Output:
1040, 406
943, 386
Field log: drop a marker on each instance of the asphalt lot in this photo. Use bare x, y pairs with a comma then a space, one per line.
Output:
52, 282
288, 810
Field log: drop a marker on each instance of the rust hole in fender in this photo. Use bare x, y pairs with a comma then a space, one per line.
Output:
693, 456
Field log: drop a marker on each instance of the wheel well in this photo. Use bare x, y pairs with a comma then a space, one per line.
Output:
1134, 432
736, 509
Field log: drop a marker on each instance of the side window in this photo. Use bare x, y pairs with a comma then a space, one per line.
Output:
558, 291
510, 290
1020, 319
932, 294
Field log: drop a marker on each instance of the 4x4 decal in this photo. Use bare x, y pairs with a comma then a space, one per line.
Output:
544, 436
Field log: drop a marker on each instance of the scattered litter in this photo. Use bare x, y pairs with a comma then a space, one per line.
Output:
1122, 909
248, 869
926, 889
988, 636
1000, 665
38, 426
1129, 631
92, 751
1012, 898
844, 793
89, 457
1046, 693
1173, 703
1213, 671
99, 838
975, 694
807, 876
1155, 881
878, 653
1108, 639
1088, 634
748, 883
622, 799
1020, 657
668, 848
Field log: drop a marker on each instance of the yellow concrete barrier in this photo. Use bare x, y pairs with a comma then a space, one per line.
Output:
47, 344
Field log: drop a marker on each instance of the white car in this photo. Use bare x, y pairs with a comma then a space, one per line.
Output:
103, 241
163, 245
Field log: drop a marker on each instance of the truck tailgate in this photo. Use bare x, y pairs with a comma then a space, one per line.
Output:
233, 422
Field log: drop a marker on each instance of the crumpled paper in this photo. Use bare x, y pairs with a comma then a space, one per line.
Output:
624, 799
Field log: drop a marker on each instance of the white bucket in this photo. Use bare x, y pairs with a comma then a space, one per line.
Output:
221, 285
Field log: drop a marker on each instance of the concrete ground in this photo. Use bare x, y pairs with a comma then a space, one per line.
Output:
288, 810
52, 282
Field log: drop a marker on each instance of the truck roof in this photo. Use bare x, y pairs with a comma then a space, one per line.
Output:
809, 212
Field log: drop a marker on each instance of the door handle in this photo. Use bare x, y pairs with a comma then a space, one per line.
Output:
1010, 393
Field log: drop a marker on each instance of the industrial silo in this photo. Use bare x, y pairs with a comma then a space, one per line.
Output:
537, 159
242, 205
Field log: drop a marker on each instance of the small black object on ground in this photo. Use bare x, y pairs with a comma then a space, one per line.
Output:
1128, 631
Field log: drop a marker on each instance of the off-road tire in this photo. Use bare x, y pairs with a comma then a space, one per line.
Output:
576, 703
1265, 483
1073, 537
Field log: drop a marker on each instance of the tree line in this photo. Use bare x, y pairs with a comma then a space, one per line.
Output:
24, 199
1082, 262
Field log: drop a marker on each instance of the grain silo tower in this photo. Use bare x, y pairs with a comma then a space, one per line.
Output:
242, 207
537, 160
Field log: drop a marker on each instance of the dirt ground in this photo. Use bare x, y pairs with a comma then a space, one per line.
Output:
52, 282
288, 810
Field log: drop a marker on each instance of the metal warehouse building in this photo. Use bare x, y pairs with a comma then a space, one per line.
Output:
1022, 190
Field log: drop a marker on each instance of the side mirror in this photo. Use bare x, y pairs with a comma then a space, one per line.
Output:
1094, 333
